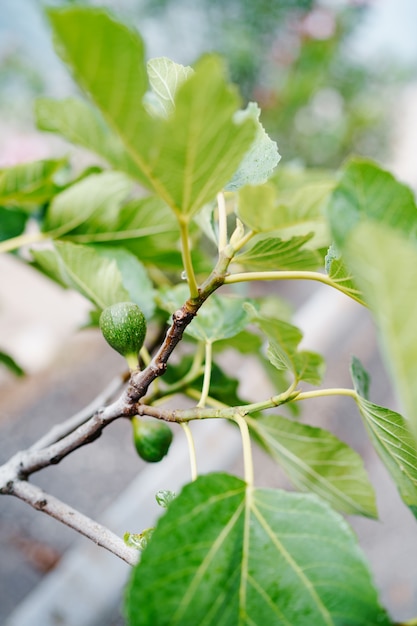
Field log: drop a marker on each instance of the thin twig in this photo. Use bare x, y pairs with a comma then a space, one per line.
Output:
100, 535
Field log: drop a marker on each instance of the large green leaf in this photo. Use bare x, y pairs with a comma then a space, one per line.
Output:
96, 277
200, 145
97, 197
29, 184
188, 157
315, 460
391, 437
365, 191
226, 554
107, 60
272, 253
283, 352
82, 124
384, 264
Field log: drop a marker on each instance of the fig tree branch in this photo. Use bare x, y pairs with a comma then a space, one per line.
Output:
100, 535
38, 457
34, 459
181, 318
82, 429
230, 412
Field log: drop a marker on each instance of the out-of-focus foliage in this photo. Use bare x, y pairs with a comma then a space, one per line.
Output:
244, 31
17, 77
291, 56
321, 102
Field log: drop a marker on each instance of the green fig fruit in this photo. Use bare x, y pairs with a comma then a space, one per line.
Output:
151, 438
124, 328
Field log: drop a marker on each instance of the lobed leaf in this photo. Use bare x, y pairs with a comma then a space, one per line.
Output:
315, 460
225, 553
186, 158
200, 146
391, 437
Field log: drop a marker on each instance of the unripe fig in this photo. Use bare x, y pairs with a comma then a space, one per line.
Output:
124, 328
151, 438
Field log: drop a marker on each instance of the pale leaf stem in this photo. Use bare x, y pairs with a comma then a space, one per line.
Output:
285, 275
191, 450
321, 393
247, 449
207, 374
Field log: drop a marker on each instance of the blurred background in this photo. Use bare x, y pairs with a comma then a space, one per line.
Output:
326, 73
332, 77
